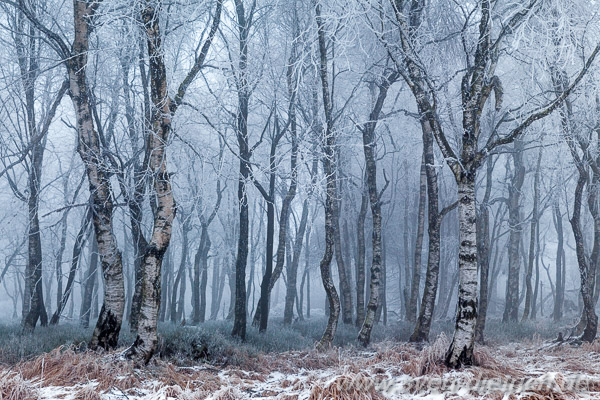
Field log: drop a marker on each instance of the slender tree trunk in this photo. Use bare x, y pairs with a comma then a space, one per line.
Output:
164, 284
89, 283
241, 309
426, 312
529, 295
218, 282
483, 247
292, 270
134, 200
411, 315
330, 191
589, 317
511, 310
59, 261
343, 272
77, 247
370, 151
204, 274
360, 256
180, 277
557, 313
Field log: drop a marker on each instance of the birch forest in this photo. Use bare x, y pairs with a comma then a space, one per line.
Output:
299, 199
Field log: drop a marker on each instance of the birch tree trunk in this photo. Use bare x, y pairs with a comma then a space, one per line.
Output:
461, 349
164, 214
108, 326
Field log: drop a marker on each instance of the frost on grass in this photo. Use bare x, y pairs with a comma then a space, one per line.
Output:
385, 371
284, 366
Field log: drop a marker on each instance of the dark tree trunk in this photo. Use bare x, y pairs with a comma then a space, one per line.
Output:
328, 141
529, 294
411, 310
343, 271
89, 283
370, 151
426, 312
557, 312
511, 310
77, 247
483, 248
176, 308
165, 278
292, 270
204, 274
589, 318
360, 256
241, 309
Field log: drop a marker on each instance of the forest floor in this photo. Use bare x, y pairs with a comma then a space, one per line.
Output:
529, 368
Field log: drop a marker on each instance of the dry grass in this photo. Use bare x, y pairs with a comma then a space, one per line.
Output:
88, 393
345, 374
430, 361
229, 393
65, 367
176, 392
14, 387
346, 387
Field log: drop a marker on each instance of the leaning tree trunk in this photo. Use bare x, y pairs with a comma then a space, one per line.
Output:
164, 214
108, 326
77, 247
586, 272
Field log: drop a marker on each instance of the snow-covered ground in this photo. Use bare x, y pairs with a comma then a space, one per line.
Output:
530, 370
